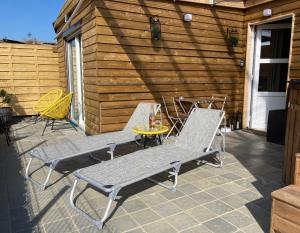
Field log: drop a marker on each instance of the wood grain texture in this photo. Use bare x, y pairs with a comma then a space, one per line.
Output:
292, 141
27, 72
285, 210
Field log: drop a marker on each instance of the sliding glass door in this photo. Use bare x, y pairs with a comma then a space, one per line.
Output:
75, 80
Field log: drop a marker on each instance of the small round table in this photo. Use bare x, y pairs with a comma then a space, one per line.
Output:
144, 131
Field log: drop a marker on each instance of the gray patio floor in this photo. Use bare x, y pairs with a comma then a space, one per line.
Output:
235, 198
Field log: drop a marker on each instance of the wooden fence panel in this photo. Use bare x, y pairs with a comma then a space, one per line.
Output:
26, 72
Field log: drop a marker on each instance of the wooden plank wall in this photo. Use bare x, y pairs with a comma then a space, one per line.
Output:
192, 59
27, 72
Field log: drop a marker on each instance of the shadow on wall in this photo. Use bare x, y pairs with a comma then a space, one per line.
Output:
162, 46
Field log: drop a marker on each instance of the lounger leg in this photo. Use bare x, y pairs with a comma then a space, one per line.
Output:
174, 173
218, 159
44, 184
98, 222
112, 148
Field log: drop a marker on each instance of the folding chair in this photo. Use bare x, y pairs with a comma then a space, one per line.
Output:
175, 120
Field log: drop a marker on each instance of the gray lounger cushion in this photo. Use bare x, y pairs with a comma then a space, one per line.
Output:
72, 148
193, 142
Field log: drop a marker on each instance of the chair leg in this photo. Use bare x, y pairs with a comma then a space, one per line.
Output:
172, 128
46, 124
97, 222
52, 125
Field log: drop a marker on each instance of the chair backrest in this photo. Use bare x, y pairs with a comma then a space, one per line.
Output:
218, 98
200, 129
60, 109
140, 116
47, 100
166, 108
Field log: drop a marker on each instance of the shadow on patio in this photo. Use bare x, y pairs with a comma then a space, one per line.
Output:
236, 197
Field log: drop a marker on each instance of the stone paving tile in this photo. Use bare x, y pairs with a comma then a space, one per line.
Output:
218, 207
219, 225
232, 187
231, 177
235, 201
203, 184
188, 189
197, 229
202, 197
238, 219
250, 196
218, 180
201, 214
181, 221
218, 192
166, 209
253, 228
138, 230
159, 227
145, 216
185, 202
134, 205
122, 224
171, 195
153, 199
62, 226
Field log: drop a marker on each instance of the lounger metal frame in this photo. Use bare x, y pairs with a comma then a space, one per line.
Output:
112, 191
53, 163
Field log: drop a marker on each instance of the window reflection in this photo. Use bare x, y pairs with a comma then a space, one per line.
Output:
272, 77
271, 38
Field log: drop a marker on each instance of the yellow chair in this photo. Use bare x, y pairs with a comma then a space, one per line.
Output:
47, 101
58, 111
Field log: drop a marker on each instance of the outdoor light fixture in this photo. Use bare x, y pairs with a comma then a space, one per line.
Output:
267, 12
155, 27
242, 63
188, 17
232, 35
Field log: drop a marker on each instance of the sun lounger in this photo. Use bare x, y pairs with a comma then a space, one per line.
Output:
53, 154
195, 141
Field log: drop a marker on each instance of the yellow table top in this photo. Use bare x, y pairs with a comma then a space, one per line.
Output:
158, 129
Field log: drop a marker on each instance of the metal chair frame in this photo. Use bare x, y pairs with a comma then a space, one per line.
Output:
173, 119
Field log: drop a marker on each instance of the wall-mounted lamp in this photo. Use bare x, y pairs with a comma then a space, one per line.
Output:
155, 27
188, 17
242, 63
232, 36
267, 12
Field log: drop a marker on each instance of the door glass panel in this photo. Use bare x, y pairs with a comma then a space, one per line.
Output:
272, 77
73, 81
275, 43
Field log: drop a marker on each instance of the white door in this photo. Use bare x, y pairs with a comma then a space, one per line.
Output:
75, 80
270, 72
